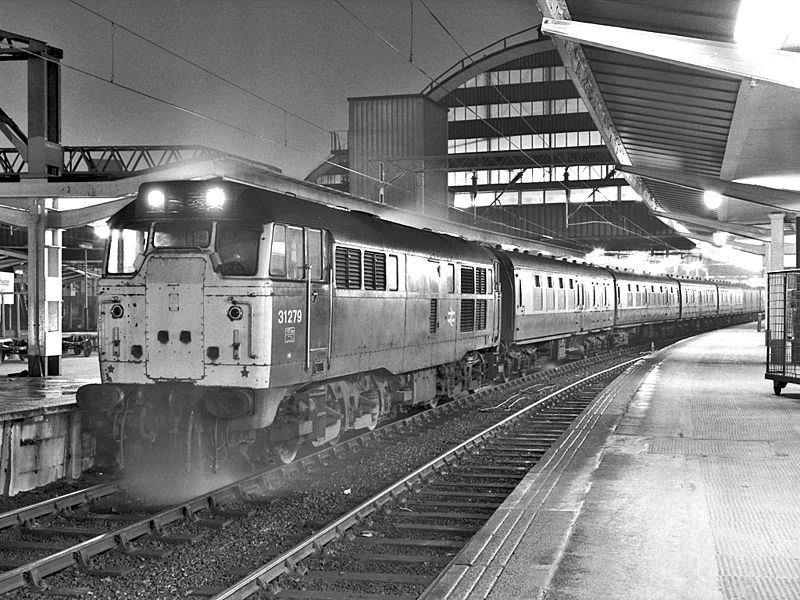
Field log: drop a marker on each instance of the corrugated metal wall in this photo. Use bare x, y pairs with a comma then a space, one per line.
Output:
399, 139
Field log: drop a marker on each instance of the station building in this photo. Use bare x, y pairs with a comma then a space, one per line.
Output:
507, 134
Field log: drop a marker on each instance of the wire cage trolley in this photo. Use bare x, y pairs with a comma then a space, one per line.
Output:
783, 328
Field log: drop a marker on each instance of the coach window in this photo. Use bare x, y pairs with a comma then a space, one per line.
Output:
392, 272
237, 247
450, 277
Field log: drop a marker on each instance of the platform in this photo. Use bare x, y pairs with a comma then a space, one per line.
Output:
33, 393
681, 482
41, 434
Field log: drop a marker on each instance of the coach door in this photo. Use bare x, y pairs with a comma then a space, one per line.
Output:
318, 302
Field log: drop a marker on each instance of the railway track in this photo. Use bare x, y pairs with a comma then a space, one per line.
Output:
396, 543
400, 539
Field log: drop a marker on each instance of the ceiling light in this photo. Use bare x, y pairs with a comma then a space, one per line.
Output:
101, 229
720, 238
763, 25
712, 199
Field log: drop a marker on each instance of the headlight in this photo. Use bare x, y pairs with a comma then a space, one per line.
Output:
215, 198
156, 199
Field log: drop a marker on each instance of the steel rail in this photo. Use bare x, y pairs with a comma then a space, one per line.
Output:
24, 514
289, 560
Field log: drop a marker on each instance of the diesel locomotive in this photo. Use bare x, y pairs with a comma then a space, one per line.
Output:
237, 324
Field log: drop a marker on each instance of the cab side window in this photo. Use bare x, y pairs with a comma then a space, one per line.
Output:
290, 248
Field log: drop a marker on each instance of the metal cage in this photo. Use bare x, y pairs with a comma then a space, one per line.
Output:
783, 328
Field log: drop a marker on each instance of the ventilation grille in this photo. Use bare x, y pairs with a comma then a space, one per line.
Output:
480, 315
467, 315
480, 281
433, 323
374, 270
467, 280
348, 268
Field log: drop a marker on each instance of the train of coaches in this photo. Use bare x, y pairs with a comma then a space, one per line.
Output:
237, 324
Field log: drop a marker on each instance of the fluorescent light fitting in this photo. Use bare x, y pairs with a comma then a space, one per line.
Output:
712, 200
763, 25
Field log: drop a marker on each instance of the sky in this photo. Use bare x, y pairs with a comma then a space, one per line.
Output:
291, 65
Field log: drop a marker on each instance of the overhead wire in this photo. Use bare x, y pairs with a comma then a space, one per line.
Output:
192, 112
201, 67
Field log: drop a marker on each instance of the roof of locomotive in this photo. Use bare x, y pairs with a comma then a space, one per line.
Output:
256, 205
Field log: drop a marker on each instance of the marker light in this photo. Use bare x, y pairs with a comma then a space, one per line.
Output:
215, 198
156, 199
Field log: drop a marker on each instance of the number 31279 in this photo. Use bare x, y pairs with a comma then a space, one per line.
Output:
294, 315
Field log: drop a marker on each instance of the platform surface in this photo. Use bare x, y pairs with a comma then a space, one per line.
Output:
683, 484
21, 395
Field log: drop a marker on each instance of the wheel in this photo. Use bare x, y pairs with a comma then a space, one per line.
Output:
287, 451
777, 386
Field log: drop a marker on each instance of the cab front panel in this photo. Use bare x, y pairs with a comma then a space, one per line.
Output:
122, 337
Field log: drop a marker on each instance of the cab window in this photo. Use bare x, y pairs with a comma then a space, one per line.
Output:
177, 234
123, 247
237, 246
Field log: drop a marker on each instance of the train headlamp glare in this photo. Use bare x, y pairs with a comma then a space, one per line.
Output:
156, 199
215, 198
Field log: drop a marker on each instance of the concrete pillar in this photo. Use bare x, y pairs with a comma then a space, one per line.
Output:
44, 294
776, 241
